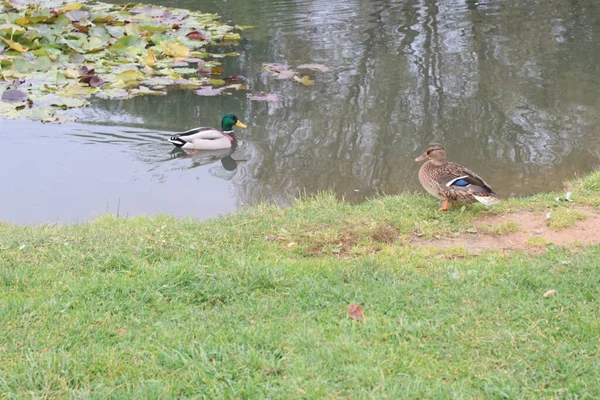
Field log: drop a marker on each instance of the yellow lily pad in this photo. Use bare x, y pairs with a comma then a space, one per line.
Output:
71, 7
129, 75
305, 80
70, 73
175, 49
15, 46
150, 58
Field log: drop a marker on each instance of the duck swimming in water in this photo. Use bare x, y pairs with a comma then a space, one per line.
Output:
209, 138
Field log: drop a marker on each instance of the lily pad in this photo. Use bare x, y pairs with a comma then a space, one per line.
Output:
210, 91
77, 15
305, 80
14, 96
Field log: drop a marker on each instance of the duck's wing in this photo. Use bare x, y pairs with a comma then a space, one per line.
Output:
200, 133
461, 178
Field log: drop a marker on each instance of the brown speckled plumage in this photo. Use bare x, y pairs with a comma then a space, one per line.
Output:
452, 182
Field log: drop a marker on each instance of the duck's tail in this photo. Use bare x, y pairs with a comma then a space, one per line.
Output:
487, 200
177, 141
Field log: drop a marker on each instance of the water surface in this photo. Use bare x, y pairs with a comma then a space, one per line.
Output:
510, 87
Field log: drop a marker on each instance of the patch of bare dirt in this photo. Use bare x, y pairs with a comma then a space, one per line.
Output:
531, 225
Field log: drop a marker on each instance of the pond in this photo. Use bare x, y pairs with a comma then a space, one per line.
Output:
509, 87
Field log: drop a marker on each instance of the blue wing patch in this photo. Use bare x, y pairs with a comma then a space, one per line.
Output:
461, 182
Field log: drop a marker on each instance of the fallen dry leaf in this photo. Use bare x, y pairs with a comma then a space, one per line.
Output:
122, 331
291, 244
549, 293
356, 312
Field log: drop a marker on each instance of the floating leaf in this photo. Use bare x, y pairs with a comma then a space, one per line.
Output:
262, 96
42, 63
305, 80
150, 58
216, 70
128, 45
144, 90
14, 30
195, 35
113, 94
174, 49
116, 31
102, 18
153, 26
217, 82
77, 90
356, 312
159, 81
286, 74
129, 75
231, 36
14, 96
209, 91
100, 32
77, 15
68, 102
71, 7
150, 11
223, 55
133, 29
15, 46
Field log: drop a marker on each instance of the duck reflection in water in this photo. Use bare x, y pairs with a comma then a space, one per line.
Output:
204, 157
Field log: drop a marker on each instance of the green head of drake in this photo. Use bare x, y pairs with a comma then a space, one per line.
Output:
228, 121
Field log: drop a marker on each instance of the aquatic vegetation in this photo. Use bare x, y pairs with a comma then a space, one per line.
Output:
284, 72
55, 55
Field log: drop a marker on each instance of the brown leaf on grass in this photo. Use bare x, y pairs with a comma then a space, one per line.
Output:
122, 331
356, 312
549, 293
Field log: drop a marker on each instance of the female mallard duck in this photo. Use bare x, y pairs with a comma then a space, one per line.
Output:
452, 182
209, 138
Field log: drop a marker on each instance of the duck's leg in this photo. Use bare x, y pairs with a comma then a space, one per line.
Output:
446, 205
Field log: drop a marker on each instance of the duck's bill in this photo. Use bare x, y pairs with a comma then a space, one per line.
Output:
240, 124
422, 157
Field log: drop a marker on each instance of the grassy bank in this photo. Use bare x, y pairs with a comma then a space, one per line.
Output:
254, 305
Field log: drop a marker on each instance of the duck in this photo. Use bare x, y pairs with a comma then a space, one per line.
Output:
209, 138
452, 182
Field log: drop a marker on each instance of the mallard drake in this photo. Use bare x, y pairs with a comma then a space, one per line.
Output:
209, 138
452, 182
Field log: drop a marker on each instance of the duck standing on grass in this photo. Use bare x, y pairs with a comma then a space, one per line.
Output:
209, 138
452, 182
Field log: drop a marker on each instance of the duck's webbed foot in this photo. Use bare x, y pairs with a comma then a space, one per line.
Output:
446, 205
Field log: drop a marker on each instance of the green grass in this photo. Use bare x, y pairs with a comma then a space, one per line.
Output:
537, 241
254, 305
565, 217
